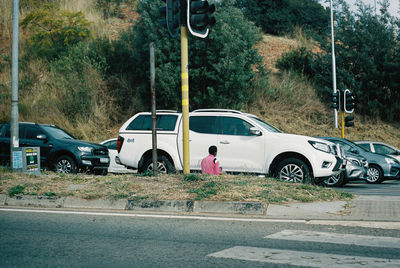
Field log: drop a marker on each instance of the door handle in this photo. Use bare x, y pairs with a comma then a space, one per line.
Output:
224, 142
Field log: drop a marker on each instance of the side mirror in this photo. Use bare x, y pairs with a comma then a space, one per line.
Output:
255, 131
41, 137
354, 151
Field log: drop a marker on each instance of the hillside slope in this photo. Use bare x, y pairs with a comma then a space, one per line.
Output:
289, 102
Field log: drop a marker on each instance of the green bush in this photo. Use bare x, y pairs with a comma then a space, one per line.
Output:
192, 177
298, 60
54, 30
18, 189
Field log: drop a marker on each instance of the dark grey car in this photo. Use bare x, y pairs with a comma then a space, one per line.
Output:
380, 167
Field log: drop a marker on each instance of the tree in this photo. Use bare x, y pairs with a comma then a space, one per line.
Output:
281, 17
221, 66
367, 60
54, 30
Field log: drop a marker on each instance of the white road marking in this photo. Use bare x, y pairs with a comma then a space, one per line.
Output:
366, 224
302, 258
337, 238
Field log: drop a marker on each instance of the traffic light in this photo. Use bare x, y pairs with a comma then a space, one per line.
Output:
336, 100
348, 121
199, 17
349, 101
172, 16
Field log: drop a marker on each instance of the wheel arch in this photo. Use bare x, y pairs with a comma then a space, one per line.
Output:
149, 153
279, 158
56, 155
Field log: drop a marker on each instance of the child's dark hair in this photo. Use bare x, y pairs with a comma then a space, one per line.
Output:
212, 150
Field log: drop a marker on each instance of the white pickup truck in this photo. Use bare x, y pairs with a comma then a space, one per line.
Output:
246, 144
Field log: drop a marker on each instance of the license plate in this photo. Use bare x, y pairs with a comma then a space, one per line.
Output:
104, 160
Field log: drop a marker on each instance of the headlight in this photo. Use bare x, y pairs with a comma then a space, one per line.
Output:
391, 161
85, 149
354, 161
320, 146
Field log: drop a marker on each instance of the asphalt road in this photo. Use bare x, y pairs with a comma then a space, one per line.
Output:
45, 239
386, 188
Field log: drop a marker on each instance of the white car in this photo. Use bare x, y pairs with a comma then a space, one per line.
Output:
246, 144
380, 148
111, 144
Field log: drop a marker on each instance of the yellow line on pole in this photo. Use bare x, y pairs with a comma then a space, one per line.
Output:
185, 99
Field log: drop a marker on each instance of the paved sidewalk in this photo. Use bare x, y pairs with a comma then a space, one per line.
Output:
362, 208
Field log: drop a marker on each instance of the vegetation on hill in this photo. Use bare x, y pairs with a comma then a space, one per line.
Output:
87, 69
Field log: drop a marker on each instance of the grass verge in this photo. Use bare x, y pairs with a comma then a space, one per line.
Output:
166, 187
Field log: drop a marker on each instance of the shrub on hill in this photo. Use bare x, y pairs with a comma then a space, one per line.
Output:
367, 55
222, 67
283, 16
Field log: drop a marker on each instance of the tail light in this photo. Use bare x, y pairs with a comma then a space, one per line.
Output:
120, 141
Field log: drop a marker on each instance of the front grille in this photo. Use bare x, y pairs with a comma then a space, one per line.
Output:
100, 152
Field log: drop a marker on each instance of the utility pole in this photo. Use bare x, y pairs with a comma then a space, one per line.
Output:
185, 99
14, 81
333, 65
153, 108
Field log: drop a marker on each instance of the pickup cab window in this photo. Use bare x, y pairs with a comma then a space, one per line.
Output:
235, 126
144, 122
203, 124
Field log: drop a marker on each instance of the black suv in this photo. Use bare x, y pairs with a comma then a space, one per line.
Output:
59, 150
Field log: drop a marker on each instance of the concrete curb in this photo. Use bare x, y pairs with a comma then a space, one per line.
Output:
176, 206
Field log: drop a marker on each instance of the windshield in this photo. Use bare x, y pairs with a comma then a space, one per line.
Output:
57, 133
265, 125
358, 146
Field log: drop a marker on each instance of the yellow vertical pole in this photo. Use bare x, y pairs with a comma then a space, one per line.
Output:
185, 100
342, 115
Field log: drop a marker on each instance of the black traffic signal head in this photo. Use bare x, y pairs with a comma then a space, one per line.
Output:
348, 121
199, 17
349, 101
336, 100
172, 14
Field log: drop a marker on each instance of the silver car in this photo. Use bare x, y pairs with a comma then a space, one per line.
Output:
356, 169
380, 148
380, 167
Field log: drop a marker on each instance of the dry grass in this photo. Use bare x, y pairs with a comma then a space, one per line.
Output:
167, 187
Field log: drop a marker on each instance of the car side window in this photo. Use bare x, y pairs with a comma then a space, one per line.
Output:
235, 126
365, 146
31, 132
144, 122
383, 149
203, 124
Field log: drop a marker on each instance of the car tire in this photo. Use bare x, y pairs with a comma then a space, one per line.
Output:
334, 181
65, 164
164, 166
374, 174
293, 170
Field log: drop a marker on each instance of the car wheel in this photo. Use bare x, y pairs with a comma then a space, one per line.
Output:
293, 170
65, 164
164, 166
334, 181
374, 174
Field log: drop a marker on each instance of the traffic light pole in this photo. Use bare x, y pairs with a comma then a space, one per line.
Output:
342, 116
185, 99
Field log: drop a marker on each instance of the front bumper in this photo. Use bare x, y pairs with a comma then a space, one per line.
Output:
95, 161
355, 172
